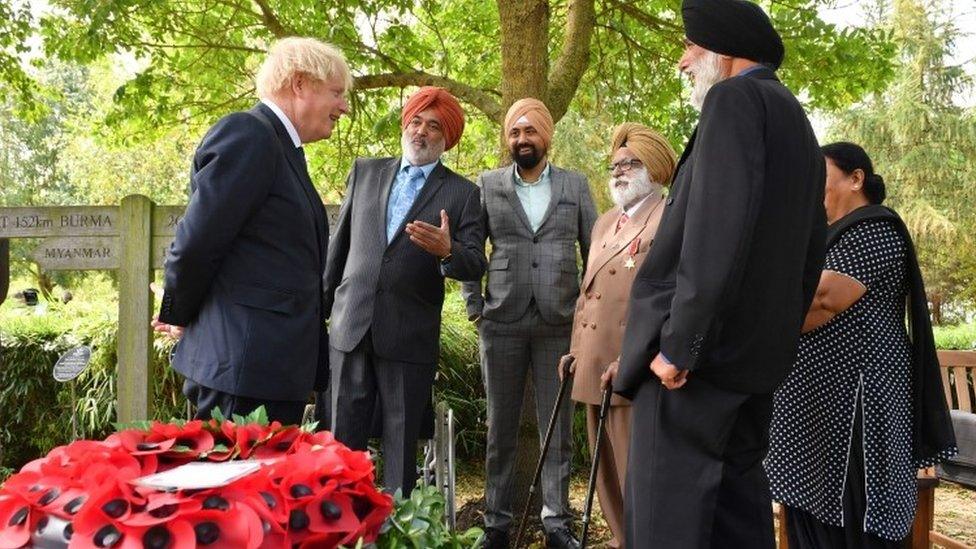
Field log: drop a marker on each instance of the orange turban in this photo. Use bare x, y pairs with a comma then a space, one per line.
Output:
650, 147
536, 113
444, 105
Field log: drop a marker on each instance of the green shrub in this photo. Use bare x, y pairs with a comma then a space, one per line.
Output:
960, 337
35, 410
417, 522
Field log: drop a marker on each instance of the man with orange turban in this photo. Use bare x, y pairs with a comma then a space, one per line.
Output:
535, 214
406, 223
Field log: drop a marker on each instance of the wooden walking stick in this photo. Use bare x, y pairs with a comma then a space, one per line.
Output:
591, 487
567, 375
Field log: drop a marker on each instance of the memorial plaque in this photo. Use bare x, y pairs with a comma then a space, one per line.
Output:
72, 363
78, 253
165, 219
59, 221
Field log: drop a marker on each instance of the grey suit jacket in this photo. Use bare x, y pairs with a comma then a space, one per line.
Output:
527, 264
395, 291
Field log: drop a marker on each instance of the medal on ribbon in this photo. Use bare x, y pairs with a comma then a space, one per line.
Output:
630, 263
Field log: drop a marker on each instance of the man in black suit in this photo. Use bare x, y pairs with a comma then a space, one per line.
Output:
244, 276
405, 224
716, 309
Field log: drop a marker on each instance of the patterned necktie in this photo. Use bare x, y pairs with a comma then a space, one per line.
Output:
620, 222
403, 198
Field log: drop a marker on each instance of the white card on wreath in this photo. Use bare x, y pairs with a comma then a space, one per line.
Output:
199, 475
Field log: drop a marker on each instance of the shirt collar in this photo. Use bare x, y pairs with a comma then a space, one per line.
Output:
753, 68
543, 177
289, 127
632, 211
426, 168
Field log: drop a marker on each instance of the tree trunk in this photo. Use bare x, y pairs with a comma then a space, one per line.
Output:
524, 50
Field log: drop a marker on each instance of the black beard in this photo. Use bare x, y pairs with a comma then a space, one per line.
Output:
526, 161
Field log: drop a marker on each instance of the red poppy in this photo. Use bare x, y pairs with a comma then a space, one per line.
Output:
163, 507
17, 520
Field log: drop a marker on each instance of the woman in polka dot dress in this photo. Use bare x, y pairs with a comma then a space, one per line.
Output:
861, 410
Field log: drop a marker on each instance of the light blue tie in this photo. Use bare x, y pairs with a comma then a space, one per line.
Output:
402, 200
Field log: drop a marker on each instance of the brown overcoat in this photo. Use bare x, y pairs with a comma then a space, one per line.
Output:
601, 310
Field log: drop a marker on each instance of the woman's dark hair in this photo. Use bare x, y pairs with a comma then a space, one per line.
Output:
849, 157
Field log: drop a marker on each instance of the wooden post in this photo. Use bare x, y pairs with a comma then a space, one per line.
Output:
135, 309
4, 269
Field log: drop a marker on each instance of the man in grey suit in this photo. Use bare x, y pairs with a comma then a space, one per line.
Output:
406, 224
534, 213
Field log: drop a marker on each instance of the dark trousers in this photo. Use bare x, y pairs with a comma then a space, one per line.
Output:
288, 412
402, 389
695, 476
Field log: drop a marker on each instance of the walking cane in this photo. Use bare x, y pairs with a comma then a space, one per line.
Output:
542, 457
604, 406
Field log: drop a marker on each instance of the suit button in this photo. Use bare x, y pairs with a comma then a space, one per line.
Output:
379, 290
386, 259
613, 271
589, 295
584, 324
598, 296
593, 326
669, 200
535, 239
535, 265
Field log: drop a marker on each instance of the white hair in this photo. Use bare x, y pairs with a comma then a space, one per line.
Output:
294, 55
639, 185
707, 71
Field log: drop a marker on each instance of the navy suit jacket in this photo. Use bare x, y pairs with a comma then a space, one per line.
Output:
245, 272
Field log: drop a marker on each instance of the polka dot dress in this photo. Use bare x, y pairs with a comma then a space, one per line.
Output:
860, 358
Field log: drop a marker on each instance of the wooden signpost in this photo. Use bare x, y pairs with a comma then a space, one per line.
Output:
131, 238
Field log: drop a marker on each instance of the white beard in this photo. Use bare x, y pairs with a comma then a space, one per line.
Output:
420, 154
707, 71
638, 186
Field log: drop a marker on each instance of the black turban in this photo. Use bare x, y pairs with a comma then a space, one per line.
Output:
733, 27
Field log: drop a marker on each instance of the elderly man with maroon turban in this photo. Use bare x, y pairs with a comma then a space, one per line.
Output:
535, 214
406, 223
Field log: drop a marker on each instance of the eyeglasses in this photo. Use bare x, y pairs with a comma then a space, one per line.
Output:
625, 165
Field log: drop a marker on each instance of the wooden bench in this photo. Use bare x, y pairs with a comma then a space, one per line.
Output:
958, 369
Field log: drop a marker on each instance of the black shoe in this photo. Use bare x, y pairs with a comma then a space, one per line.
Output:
495, 538
561, 538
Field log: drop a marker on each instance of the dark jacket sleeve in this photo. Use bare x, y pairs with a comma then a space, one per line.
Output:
472, 292
339, 244
234, 168
587, 217
724, 197
468, 261
816, 251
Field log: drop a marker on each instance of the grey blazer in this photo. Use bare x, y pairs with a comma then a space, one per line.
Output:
527, 264
395, 291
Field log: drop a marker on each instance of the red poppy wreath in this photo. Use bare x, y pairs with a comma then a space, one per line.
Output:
305, 489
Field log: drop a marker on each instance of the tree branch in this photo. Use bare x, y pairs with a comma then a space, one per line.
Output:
271, 20
481, 99
574, 58
647, 19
